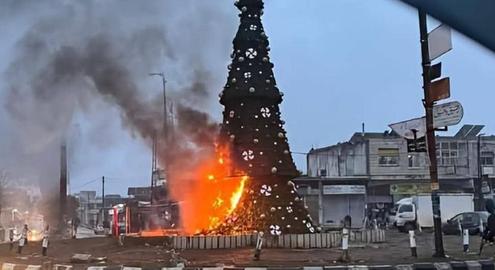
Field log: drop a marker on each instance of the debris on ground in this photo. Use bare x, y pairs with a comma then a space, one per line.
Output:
80, 258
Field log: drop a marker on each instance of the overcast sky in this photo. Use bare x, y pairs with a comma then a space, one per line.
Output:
339, 63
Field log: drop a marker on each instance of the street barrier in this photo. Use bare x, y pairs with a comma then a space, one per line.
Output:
303, 241
465, 240
412, 244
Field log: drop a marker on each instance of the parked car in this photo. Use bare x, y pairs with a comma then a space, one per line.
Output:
468, 220
416, 211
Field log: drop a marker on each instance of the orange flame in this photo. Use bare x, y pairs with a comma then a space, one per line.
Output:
236, 196
211, 196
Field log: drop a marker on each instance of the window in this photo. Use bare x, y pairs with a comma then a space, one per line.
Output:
349, 165
405, 208
487, 158
388, 156
469, 218
447, 153
457, 218
413, 159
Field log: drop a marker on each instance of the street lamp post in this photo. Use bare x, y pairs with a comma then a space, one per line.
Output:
165, 134
165, 114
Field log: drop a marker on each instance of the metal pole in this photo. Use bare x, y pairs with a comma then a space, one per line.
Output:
166, 130
153, 167
320, 201
166, 127
63, 186
165, 113
478, 185
430, 136
103, 200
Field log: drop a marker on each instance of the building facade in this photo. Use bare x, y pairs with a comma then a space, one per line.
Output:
376, 169
91, 206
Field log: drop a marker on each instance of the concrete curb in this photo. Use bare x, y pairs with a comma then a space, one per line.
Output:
453, 265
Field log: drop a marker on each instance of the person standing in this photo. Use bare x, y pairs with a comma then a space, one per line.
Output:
11, 238
75, 226
259, 245
489, 233
44, 242
24, 238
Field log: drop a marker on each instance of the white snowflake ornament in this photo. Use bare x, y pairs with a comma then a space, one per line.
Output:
275, 230
266, 190
251, 53
248, 155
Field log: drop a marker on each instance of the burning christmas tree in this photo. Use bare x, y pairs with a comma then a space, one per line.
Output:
257, 142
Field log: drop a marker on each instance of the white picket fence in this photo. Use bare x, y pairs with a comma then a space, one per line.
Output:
317, 240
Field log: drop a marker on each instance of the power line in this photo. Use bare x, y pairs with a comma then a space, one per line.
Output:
87, 183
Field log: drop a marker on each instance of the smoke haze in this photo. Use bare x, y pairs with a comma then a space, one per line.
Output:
78, 71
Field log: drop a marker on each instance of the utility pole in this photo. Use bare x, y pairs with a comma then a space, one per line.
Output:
428, 103
153, 167
166, 134
103, 216
165, 112
479, 195
63, 186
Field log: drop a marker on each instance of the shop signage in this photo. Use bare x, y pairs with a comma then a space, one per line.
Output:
409, 189
344, 189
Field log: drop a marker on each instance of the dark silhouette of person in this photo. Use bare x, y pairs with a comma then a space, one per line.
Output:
490, 225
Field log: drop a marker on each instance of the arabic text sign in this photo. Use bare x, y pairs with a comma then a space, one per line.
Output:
444, 115
439, 41
447, 114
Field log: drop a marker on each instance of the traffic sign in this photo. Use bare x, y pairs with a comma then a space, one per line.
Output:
447, 114
439, 41
440, 89
436, 71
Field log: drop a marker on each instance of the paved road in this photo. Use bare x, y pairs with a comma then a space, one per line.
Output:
394, 251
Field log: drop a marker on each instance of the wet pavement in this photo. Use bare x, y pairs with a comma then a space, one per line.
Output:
395, 251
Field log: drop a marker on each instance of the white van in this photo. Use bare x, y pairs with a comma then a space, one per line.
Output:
416, 212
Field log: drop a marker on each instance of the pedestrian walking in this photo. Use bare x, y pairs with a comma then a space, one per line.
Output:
75, 225
11, 238
489, 232
23, 240
44, 242
490, 224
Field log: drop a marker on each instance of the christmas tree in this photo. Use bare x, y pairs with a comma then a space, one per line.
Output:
257, 141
